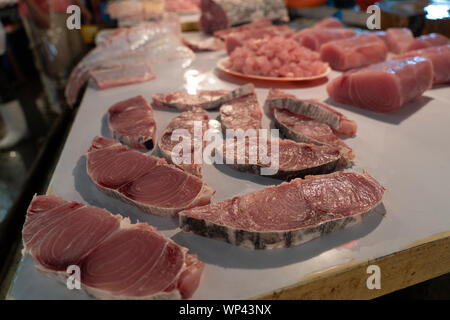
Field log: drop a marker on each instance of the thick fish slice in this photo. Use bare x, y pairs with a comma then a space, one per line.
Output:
295, 160
428, 40
439, 57
305, 130
312, 109
242, 113
383, 87
132, 122
121, 75
358, 51
205, 99
399, 39
117, 259
185, 121
145, 181
314, 38
289, 214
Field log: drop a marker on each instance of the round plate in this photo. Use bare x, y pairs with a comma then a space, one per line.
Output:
221, 66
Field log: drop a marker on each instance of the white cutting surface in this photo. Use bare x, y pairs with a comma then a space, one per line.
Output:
407, 152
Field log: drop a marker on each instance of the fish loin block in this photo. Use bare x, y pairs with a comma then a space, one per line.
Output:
383, 87
399, 39
354, 52
439, 57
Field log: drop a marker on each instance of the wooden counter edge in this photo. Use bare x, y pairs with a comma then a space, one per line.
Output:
418, 262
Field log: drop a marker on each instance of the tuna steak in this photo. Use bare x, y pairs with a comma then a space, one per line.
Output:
312, 109
145, 181
205, 99
118, 260
132, 122
289, 214
186, 121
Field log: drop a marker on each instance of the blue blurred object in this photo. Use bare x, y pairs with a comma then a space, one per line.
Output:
103, 15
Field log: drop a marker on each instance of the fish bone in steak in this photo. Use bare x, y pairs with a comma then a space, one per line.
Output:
383, 87
149, 43
186, 121
313, 109
241, 113
145, 181
205, 99
222, 14
295, 160
117, 259
132, 122
439, 57
302, 129
288, 214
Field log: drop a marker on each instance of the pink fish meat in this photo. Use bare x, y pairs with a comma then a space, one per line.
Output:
439, 57
383, 87
108, 249
132, 122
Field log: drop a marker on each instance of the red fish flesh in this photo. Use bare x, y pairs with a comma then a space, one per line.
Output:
383, 87
132, 122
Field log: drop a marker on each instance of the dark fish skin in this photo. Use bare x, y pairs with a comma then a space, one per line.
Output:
265, 240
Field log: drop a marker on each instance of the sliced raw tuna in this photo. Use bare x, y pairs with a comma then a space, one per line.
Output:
312, 109
294, 159
205, 99
383, 87
289, 214
222, 14
121, 75
439, 57
185, 121
329, 22
276, 57
399, 39
241, 113
117, 259
132, 122
358, 51
429, 40
303, 129
314, 38
145, 181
